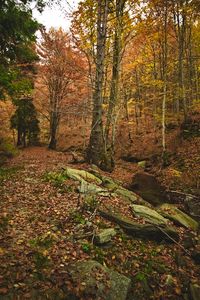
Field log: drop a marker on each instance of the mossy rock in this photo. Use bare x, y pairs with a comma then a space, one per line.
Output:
149, 214
79, 175
99, 282
104, 236
174, 214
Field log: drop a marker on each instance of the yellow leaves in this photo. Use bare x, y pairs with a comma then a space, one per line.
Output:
19, 242
105, 106
174, 173
45, 252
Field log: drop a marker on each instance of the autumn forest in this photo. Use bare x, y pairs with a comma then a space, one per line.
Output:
100, 150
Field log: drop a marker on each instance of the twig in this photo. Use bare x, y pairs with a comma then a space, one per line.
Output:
163, 231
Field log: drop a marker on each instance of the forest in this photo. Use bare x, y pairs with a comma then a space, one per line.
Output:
100, 150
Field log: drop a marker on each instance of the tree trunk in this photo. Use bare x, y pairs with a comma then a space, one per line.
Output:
95, 153
164, 77
19, 136
53, 130
114, 91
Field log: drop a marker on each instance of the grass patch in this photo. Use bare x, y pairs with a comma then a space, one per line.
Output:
58, 180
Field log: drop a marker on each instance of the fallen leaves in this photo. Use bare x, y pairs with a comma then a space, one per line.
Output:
37, 239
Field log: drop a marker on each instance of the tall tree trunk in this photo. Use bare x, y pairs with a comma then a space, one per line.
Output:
95, 153
180, 23
114, 91
164, 76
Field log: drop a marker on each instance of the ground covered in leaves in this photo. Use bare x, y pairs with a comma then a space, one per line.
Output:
43, 230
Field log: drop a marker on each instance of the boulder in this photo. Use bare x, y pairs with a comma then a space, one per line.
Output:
104, 236
92, 189
148, 214
80, 175
148, 187
174, 214
99, 282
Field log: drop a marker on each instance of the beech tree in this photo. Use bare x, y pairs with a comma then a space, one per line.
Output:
58, 72
96, 152
103, 50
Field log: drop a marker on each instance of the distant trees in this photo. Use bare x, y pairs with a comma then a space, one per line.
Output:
156, 74
25, 122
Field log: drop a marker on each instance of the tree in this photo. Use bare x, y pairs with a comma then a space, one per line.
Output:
25, 122
17, 35
96, 151
114, 89
60, 68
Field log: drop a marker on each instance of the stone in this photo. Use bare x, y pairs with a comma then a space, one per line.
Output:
104, 236
92, 189
171, 212
99, 282
80, 175
130, 196
148, 214
148, 187
145, 231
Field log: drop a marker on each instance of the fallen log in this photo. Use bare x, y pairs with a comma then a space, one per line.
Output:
146, 231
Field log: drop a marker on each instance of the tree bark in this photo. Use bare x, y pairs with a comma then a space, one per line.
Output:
95, 153
114, 91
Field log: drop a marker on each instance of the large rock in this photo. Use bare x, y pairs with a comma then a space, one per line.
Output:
92, 189
80, 175
99, 282
148, 214
146, 231
148, 187
177, 216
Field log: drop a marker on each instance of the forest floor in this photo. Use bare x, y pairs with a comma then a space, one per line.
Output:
38, 221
